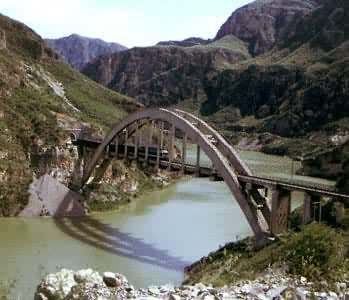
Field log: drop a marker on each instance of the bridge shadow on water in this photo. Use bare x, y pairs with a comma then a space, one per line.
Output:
99, 235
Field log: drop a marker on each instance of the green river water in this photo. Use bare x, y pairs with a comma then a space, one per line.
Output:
150, 241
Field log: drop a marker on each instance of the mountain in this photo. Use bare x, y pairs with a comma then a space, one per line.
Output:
193, 41
78, 50
265, 22
41, 99
165, 75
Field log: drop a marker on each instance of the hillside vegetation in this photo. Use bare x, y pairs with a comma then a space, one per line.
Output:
39, 96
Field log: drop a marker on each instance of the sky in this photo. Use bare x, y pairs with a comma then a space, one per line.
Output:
128, 22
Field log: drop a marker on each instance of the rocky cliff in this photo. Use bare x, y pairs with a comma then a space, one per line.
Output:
263, 23
41, 98
166, 75
78, 50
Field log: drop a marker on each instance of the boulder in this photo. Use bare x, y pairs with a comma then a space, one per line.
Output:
110, 279
56, 286
88, 276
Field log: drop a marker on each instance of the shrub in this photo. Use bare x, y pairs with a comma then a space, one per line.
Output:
318, 250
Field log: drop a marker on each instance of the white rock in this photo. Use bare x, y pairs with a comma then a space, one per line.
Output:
302, 293
252, 289
174, 297
88, 276
110, 279
332, 296
276, 292
154, 290
208, 297
58, 285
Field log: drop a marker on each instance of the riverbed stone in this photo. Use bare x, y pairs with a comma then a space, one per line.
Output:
88, 276
174, 297
58, 285
90, 285
110, 279
276, 292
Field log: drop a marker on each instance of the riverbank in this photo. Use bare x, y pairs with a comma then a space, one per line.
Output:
89, 284
131, 181
316, 251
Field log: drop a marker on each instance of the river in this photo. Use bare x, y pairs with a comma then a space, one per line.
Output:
150, 241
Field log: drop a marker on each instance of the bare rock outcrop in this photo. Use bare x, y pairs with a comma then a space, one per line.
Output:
50, 197
2, 40
264, 22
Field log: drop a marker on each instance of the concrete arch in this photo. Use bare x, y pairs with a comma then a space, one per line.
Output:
223, 156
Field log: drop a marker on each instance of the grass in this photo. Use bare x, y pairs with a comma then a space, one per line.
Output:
316, 251
228, 42
99, 105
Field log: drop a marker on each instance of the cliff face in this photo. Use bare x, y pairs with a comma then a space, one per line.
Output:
300, 86
265, 22
165, 75
41, 98
78, 50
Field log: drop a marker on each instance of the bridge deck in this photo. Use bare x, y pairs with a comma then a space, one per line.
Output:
262, 182
256, 180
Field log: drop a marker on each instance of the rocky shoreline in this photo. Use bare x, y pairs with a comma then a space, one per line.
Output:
90, 285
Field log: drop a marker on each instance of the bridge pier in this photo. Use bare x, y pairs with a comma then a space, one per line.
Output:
160, 144
198, 151
280, 210
125, 144
184, 152
136, 141
171, 145
78, 168
340, 211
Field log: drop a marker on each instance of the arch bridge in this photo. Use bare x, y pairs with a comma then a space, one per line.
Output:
154, 130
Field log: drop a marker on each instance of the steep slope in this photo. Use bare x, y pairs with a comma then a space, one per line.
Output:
78, 50
40, 98
265, 22
166, 75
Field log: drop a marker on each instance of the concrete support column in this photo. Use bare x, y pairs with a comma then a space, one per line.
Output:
280, 210
171, 145
340, 211
125, 144
184, 152
198, 151
107, 152
116, 152
78, 168
307, 208
162, 134
160, 142
136, 140
146, 149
